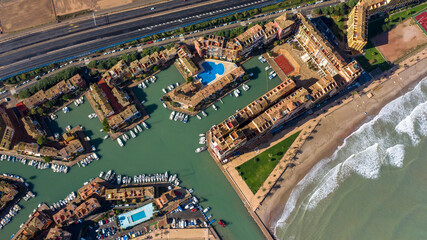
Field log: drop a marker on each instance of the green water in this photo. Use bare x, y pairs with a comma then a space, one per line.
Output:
166, 146
374, 186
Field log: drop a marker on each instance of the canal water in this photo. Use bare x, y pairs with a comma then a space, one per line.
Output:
166, 146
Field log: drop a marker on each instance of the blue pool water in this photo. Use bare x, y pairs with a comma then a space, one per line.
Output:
210, 69
138, 216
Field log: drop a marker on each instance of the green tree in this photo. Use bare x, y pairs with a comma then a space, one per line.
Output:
41, 140
189, 79
47, 158
106, 126
155, 68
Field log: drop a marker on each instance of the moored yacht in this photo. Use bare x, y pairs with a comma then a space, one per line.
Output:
201, 149
172, 115
145, 125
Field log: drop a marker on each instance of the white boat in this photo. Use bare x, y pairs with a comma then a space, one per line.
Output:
186, 119
120, 142
266, 68
198, 117
143, 85
139, 85
107, 176
68, 128
204, 114
214, 107
153, 79
206, 210
164, 105
201, 135
139, 128
106, 136
132, 134
93, 148
145, 125
101, 174
172, 115
119, 179
177, 84
271, 73
201, 149
245, 87
164, 90
236, 93
92, 115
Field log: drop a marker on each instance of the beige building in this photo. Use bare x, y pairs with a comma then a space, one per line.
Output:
124, 193
251, 38
218, 47
357, 33
101, 99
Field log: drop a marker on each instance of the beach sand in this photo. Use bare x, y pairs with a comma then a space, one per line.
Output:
334, 126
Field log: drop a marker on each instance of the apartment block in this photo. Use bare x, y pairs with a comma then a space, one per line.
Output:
123, 194
218, 47
284, 25
122, 118
100, 97
251, 38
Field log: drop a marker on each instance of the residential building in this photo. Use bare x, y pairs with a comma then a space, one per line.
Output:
35, 100
270, 32
125, 193
58, 234
63, 87
9, 130
184, 52
284, 110
35, 150
38, 221
218, 47
100, 97
121, 119
323, 54
165, 198
32, 127
94, 188
251, 38
146, 63
73, 212
27, 148
357, 23
121, 96
230, 135
192, 96
73, 148
115, 75
188, 65
284, 25
8, 193
357, 32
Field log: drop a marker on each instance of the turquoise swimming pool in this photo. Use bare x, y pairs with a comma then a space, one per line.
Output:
138, 216
210, 69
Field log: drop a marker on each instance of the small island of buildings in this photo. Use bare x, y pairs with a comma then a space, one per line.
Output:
150, 208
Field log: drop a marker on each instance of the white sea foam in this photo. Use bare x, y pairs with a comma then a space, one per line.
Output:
365, 150
408, 125
396, 154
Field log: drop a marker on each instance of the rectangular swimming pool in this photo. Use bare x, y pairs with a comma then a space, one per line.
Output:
138, 216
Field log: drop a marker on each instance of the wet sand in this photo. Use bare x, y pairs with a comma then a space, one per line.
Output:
334, 126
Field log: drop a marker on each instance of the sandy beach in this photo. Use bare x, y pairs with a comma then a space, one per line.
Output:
336, 123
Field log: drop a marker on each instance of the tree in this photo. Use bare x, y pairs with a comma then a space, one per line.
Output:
92, 64
40, 111
106, 126
47, 158
189, 79
41, 140
155, 68
316, 11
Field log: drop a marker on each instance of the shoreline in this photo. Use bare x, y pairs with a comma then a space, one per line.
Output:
344, 124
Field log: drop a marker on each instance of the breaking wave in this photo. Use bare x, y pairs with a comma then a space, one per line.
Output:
381, 141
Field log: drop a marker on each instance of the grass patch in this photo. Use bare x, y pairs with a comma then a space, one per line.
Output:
372, 59
257, 169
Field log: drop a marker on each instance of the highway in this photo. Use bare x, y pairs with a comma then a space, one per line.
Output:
33, 53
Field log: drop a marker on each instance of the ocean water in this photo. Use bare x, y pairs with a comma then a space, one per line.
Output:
373, 186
